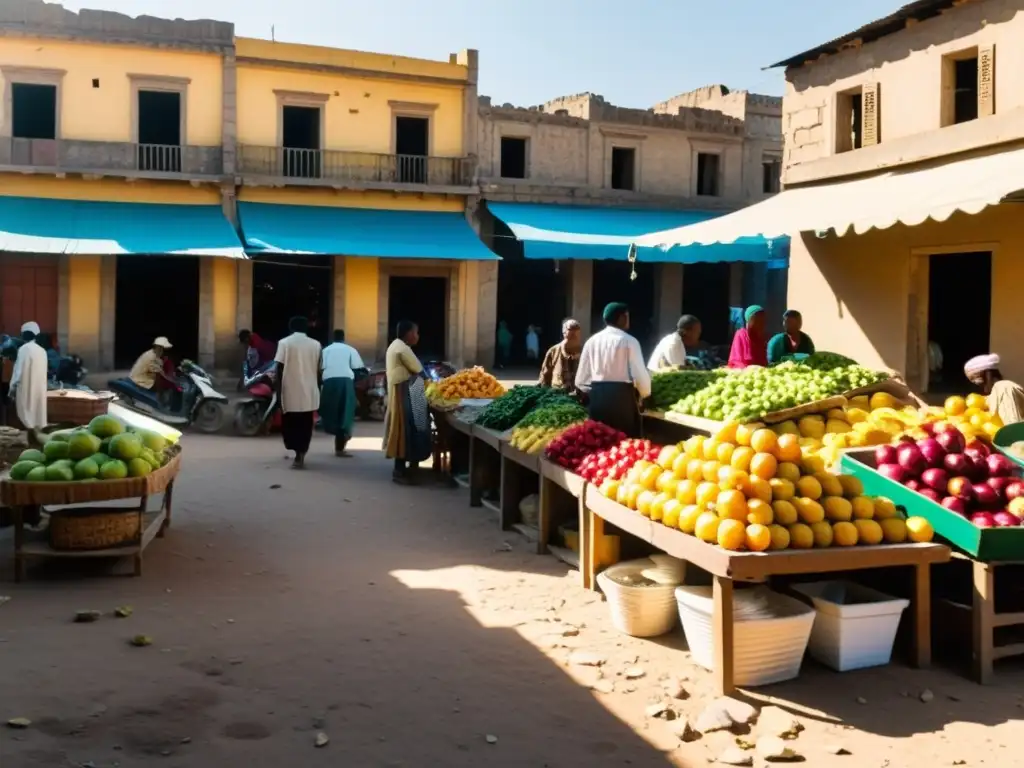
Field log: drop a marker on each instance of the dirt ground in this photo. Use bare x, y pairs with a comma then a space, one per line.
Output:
407, 629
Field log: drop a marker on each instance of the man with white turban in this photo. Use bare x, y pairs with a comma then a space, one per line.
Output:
28, 380
1004, 397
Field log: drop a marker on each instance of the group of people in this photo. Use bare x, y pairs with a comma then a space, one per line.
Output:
505, 339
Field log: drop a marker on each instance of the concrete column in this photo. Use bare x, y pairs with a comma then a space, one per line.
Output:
229, 113
736, 284
63, 300
470, 59
207, 327
487, 312
668, 297
243, 311
581, 293
338, 293
108, 301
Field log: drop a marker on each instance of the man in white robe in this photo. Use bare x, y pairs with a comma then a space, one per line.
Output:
28, 380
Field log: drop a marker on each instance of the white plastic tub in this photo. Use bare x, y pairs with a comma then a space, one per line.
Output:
646, 611
770, 632
855, 627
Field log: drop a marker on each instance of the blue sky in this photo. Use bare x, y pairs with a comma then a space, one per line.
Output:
633, 52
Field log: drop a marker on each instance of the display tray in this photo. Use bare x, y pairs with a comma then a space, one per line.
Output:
984, 544
489, 437
817, 406
37, 543
894, 386
696, 423
530, 461
24, 494
459, 425
562, 477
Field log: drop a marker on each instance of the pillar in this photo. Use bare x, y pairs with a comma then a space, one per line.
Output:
108, 314
243, 312
229, 113
63, 300
337, 293
470, 59
207, 325
668, 297
581, 293
736, 284
487, 312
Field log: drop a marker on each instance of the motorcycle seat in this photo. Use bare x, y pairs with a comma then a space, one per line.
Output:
129, 388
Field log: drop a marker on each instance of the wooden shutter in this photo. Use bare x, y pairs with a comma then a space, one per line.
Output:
870, 128
986, 80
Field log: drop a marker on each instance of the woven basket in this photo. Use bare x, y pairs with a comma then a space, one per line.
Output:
74, 407
646, 611
84, 529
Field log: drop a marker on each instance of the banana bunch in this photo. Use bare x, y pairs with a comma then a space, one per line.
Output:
534, 439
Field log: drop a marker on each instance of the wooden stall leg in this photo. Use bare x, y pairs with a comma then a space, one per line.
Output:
142, 535
168, 500
922, 615
983, 616
476, 473
544, 505
508, 501
18, 517
722, 620
591, 534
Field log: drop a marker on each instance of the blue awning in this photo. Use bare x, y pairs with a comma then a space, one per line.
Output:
550, 231
94, 228
371, 232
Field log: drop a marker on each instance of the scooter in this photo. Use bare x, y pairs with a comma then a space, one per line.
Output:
195, 401
372, 392
259, 411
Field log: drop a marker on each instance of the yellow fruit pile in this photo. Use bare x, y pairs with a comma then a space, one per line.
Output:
534, 439
748, 488
472, 383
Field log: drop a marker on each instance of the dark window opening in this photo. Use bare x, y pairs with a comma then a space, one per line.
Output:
706, 295
34, 111
300, 137
959, 335
159, 131
611, 282
412, 142
300, 286
965, 90
708, 169
136, 324
856, 120
513, 158
849, 121
623, 168
772, 173
424, 301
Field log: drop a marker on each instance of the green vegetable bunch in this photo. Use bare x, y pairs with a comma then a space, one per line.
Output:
669, 387
555, 414
507, 411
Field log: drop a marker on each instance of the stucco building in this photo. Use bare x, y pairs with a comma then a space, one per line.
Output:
579, 165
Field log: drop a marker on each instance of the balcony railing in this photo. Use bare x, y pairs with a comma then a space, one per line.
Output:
72, 155
330, 165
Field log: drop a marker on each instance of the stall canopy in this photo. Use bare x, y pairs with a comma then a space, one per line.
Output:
89, 227
581, 232
907, 197
313, 229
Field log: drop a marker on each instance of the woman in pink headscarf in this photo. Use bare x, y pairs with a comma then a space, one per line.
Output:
1005, 397
749, 344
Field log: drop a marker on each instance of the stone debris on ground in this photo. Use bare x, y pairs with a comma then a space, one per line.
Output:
141, 641
927, 696
635, 673
774, 749
87, 617
683, 731
775, 721
836, 749
322, 740
604, 686
716, 717
491, 738
660, 710
123, 611
735, 756
586, 659
19, 723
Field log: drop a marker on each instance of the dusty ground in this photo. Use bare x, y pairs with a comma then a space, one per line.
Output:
398, 623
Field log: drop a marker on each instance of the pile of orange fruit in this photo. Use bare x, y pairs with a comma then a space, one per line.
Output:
747, 488
472, 383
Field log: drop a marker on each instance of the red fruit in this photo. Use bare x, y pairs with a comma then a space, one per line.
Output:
936, 479
961, 488
983, 520
885, 454
950, 439
1005, 519
1015, 489
985, 497
954, 504
928, 493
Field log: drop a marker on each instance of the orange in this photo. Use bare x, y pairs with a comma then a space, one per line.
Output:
788, 448
732, 535
784, 512
845, 534
919, 530
706, 494
710, 449
688, 518
954, 406
852, 486
801, 536
710, 471
764, 465
837, 509
822, 534
756, 488
780, 537
884, 508
864, 508
686, 492
788, 471
644, 501
664, 477
808, 487
667, 456
729, 478
759, 537
649, 477
745, 431
725, 451
731, 505
695, 446
706, 527
764, 441
869, 532
809, 510
741, 457
679, 465
658, 506
830, 485
727, 434
974, 400
695, 470
759, 512
670, 513
894, 530
782, 490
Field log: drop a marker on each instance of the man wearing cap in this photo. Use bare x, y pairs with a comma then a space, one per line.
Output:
749, 346
563, 360
1004, 397
28, 380
148, 371
612, 372
672, 350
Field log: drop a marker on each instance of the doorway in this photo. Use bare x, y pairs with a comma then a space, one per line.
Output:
706, 296
959, 335
424, 301
300, 135
412, 145
612, 283
137, 320
159, 131
302, 286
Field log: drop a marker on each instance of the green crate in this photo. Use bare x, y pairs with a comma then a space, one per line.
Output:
985, 544
1006, 437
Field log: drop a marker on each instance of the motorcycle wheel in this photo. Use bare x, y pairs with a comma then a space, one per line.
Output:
209, 416
248, 419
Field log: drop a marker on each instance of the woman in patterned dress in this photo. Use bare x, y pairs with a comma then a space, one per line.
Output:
407, 423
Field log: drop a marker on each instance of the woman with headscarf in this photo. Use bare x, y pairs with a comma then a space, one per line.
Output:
407, 422
792, 340
298, 388
563, 360
1005, 397
749, 346
613, 373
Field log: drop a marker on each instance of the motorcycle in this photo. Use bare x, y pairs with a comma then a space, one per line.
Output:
260, 410
372, 391
194, 401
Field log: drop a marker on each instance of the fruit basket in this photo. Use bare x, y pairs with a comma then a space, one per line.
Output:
1004, 440
639, 606
71, 406
91, 528
985, 544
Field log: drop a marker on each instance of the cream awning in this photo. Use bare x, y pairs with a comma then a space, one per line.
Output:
897, 197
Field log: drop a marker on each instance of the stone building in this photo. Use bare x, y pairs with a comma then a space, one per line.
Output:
580, 165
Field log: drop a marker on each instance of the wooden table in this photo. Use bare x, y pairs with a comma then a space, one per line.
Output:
484, 466
672, 427
728, 567
561, 497
454, 438
520, 476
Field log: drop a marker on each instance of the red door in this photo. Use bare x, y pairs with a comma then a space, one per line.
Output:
28, 291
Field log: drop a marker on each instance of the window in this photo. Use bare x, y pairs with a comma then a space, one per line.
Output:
968, 86
33, 111
159, 131
623, 168
300, 140
708, 172
857, 118
412, 143
771, 175
513, 157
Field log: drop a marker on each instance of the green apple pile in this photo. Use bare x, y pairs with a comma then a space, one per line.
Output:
669, 387
106, 449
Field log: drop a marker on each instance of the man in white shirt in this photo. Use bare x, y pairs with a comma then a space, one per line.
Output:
613, 374
298, 387
671, 350
338, 395
28, 380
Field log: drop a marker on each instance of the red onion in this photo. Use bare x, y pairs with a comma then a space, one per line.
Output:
885, 454
983, 520
976, 446
936, 479
999, 465
1005, 519
892, 471
910, 458
956, 464
954, 504
1015, 489
985, 497
961, 488
951, 440
931, 450
930, 494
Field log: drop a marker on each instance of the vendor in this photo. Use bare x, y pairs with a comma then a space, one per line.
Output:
792, 340
671, 350
748, 345
563, 360
613, 373
1005, 398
